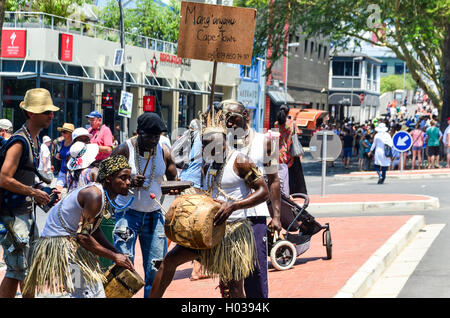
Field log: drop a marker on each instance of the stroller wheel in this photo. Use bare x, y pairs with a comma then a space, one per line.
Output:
283, 255
328, 243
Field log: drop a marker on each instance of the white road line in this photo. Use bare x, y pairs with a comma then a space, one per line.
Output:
395, 277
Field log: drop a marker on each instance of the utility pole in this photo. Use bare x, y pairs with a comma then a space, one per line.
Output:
124, 76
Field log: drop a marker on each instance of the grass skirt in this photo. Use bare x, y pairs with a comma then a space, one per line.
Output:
50, 271
233, 259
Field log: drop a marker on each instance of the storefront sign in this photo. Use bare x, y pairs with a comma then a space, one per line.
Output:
65, 47
248, 93
149, 103
14, 43
126, 104
107, 100
216, 33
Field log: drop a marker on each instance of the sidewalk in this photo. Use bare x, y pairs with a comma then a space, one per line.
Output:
396, 174
367, 202
362, 248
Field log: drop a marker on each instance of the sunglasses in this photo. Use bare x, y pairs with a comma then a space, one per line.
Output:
48, 112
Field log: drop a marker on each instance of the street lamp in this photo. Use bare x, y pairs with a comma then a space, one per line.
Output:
293, 44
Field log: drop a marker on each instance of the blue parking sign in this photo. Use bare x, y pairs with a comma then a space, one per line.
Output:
402, 141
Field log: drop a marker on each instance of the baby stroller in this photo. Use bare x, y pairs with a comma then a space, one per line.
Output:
283, 252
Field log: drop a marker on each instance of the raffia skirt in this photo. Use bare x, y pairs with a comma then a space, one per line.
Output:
234, 258
50, 271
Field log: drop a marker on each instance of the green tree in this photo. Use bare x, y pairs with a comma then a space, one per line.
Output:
393, 82
416, 31
147, 19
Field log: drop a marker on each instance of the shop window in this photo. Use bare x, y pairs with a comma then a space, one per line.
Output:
16, 66
14, 87
53, 68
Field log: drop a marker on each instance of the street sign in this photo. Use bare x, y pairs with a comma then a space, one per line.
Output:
325, 145
402, 141
126, 104
333, 145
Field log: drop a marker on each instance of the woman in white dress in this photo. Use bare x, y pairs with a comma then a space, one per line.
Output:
382, 138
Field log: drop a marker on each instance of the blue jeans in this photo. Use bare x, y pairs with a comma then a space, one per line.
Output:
149, 226
381, 172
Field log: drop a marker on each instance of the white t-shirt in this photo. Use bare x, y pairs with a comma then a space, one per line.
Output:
163, 140
45, 153
446, 137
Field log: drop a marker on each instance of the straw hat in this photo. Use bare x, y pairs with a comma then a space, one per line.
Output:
37, 101
81, 155
67, 127
381, 127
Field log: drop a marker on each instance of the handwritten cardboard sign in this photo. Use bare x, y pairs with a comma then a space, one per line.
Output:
216, 33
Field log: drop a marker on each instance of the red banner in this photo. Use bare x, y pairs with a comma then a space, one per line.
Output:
14, 43
65, 47
149, 103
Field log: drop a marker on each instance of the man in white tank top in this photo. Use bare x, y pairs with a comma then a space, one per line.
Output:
149, 161
239, 188
65, 256
259, 149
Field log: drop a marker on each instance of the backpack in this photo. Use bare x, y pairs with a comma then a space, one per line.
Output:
388, 151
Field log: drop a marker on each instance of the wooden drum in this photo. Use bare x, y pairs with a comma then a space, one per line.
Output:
189, 222
122, 283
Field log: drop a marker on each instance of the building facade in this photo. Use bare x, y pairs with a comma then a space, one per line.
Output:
75, 62
354, 90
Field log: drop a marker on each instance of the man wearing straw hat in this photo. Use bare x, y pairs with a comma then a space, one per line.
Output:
149, 161
17, 181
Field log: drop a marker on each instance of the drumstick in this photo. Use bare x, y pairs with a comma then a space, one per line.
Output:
153, 197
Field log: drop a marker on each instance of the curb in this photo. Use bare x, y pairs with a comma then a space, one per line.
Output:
355, 177
413, 205
360, 283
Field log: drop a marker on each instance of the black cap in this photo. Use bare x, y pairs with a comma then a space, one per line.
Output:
151, 122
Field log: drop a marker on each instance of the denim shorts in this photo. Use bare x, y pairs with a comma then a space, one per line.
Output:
348, 152
16, 247
416, 148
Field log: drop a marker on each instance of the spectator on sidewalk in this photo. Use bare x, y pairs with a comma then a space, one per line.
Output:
45, 160
101, 135
285, 142
417, 145
382, 162
348, 147
446, 139
434, 138
66, 131
6, 129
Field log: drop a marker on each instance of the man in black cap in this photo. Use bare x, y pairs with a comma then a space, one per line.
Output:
142, 217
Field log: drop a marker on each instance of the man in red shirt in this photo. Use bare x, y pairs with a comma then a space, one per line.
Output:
101, 135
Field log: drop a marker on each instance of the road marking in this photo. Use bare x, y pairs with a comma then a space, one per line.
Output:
394, 278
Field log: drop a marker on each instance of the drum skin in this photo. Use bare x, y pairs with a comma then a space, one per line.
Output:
189, 222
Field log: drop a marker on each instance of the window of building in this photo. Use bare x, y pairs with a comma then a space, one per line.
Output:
383, 68
344, 68
325, 48
319, 52
399, 68
311, 50
246, 71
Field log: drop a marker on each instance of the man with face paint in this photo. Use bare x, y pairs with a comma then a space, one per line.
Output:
232, 179
149, 161
258, 148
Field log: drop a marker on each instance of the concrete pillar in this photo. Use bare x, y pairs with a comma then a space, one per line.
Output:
175, 104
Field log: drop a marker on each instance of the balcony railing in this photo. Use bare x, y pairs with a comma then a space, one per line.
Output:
53, 22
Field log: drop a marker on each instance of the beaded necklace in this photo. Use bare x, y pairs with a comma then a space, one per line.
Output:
116, 206
137, 160
33, 148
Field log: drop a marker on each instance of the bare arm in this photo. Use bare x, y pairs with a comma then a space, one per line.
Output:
171, 168
7, 181
90, 200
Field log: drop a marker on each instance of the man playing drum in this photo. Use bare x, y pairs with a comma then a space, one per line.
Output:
246, 140
149, 162
234, 181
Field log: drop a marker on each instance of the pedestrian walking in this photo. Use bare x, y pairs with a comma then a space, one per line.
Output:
45, 158
101, 135
285, 142
382, 149
446, 140
17, 182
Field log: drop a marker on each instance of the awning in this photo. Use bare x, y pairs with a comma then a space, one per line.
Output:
343, 99
279, 97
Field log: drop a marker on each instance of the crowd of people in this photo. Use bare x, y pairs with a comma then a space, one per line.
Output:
94, 179
429, 143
